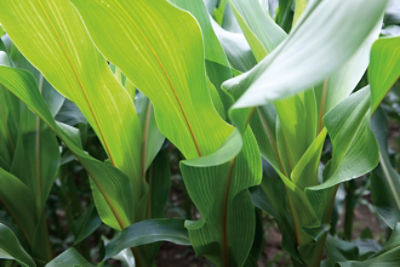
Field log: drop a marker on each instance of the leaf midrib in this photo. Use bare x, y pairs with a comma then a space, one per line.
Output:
163, 70
106, 198
75, 73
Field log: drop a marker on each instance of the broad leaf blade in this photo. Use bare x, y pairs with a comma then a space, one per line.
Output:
72, 64
226, 229
70, 257
355, 150
384, 69
147, 232
112, 197
174, 74
279, 76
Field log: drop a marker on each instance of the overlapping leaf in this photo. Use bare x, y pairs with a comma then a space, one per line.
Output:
170, 71
52, 37
286, 71
113, 199
384, 69
10, 248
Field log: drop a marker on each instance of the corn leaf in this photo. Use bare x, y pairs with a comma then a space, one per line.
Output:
388, 256
178, 87
385, 181
10, 248
176, 84
384, 69
70, 257
343, 81
286, 71
18, 200
262, 33
147, 232
213, 49
228, 242
52, 37
112, 197
354, 147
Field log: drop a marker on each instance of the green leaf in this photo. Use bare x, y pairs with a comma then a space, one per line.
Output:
19, 201
159, 179
226, 229
236, 48
9, 120
152, 139
174, 76
343, 81
85, 225
72, 64
112, 196
297, 120
177, 86
284, 16
10, 248
384, 69
286, 71
217, 65
39, 153
388, 256
70, 257
385, 181
147, 232
213, 49
262, 33
355, 150
272, 198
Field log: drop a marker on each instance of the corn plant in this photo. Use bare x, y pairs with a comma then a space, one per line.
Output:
249, 95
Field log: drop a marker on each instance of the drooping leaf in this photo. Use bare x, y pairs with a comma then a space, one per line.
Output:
388, 256
343, 81
286, 72
355, 150
70, 257
10, 248
147, 232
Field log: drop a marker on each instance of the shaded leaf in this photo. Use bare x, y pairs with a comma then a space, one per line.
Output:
147, 232
70, 257
10, 248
